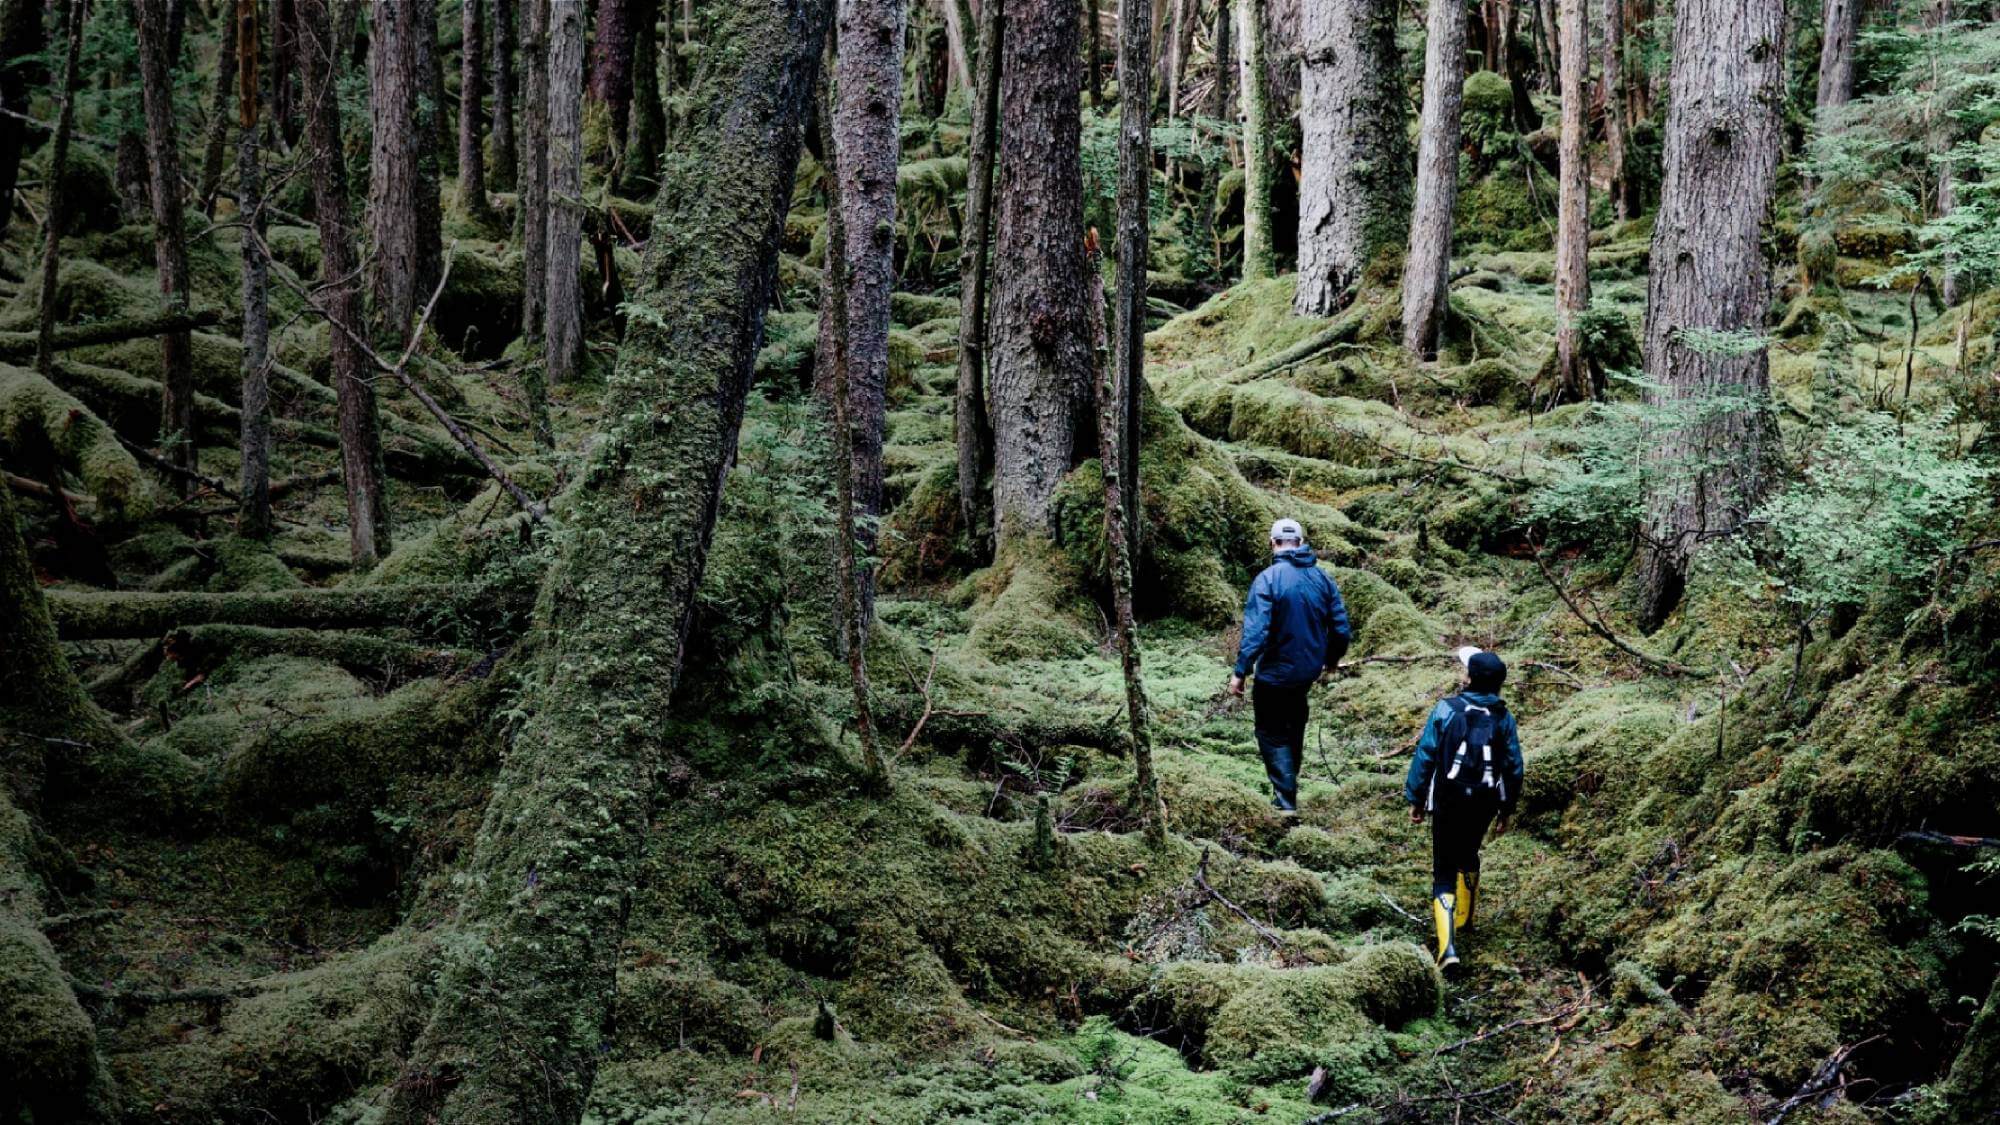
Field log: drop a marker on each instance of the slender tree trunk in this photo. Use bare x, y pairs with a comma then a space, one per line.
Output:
253, 510
506, 155
563, 332
1259, 260
1119, 452
433, 120
1427, 268
58, 206
471, 114
1573, 369
959, 24
1354, 198
1841, 23
535, 172
218, 120
648, 137
169, 235
285, 65
21, 36
974, 428
1093, 23
932, 46
1040, 384
399, 278
611, 54
1222, 95
1624, 199
1708, 277
353, 381
525, 995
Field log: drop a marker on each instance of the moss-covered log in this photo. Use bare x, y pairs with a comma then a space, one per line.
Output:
16, 346
525, 997
41, 427
94, 615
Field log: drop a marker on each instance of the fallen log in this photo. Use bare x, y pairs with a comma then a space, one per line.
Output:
104, 615
200, 648
16, 346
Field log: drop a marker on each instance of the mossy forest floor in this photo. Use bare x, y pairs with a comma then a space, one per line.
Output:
1705, 898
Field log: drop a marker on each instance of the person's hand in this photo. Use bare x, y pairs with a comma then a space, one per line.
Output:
1416, 814
1500, 827
1235, 685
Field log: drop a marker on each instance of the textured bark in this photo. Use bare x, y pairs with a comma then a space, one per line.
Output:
361, 471
58, 165
218, 119
433, 122
1093, 25
169, 235
1039, 388
20, 36
562, 331
1709, 275
1427, 267
506, 154
1573, 374
135, 188
534, 181
1840, 24
1624, 196
974, 432
525, 996
285, 66
1119, 433
1354, 198
253, 506
471, 111
648, 136
1222, 94
959, 24
932, 46
1259, 261
611, 56
398, 278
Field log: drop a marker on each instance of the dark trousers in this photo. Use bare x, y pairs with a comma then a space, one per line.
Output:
1456, 832
1281, 737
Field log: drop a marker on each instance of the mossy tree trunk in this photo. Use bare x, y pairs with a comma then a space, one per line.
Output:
21, 37
1709, 288
1574, 377
647, 138
506, 154
1840, 24
612, 51
218, 119
405, 261
1971, 1091
1093, 25
169, 235
471, 111
1040, 381
974, 427
525, 996
534, 181
58, 164
1354, 200
361, 470
1427, 267
253, 507
563, 332
1259, 260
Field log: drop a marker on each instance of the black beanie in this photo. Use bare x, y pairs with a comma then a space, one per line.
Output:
1486, 671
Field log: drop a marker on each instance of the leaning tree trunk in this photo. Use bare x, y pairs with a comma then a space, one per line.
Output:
1841, 23
1574, 379
563, 328
525, 997
1624, 200
169, 236
58, 166
1039, 386
20, 37
974, 432
253, 507
1120, 456
471, 116
506, 156
1354, 198
218, 120
1259, 260
535, 171
361, 469
1710, 285
400, 271
1427, 267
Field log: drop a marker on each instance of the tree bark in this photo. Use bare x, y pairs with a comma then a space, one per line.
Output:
471, 112
1259, 260
58, 165
285, 64
1709, 276
361, 469
218, 119
435, 124
1840, 24
169, 235
1040, 382
253, 506
506, 155
563, 329
1222, 94
21, 35
974, 433
1119, 453
648, 137
959, 26
400, 274
525, 996
535, 171
1427, 268
1093, 24
1573, 370
1354, 198
611, 56
1624, 199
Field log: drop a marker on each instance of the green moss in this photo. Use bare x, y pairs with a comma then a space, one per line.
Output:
1029, 609
42, 427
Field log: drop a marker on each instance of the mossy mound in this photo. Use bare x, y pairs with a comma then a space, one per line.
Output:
1029, 608
43, 427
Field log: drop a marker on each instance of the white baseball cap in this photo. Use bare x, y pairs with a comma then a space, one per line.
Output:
1288, 529
1466, 654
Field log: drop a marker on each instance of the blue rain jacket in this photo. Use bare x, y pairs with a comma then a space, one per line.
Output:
1294, 623
1506, 739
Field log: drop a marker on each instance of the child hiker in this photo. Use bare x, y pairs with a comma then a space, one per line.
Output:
1466, 774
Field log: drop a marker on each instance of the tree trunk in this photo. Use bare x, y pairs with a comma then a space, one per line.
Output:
1119, 448
1093, 24
1427, 269
169, 236
433, 122
563, 330
1624, 199
1259, 261
974, 435
218, 119
525, 995
535, 172
1971, 1089
58, 166
1040, 383
1223, 94
1709, 276
506, 155
361, 470
471, 114
253, 509
1573, 370
648, 137
932, 47
401, 273
1841, 23
135, 190
285, 64
21, 36
1354, 198
959, 24
611, 54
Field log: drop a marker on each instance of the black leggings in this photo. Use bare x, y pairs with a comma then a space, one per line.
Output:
1456, 832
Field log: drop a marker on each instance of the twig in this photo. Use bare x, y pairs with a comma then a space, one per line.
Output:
1573, 1012
1398, 909
1823, 1086
911, 739
1657, 663
1202, 883
166, 466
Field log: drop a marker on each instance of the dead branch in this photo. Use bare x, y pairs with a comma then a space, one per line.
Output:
1657, 663
911, 739
1571, 1014
1929, 837
1825, 1085
1201, 883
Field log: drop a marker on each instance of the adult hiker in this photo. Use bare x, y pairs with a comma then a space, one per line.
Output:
1465, 775
1294, 629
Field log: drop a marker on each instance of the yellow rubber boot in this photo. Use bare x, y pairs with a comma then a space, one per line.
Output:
1468, 896
1443, 910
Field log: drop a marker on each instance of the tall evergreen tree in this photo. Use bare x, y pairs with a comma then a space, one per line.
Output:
562, 334
974, 427
1354, 189
1259, 259
169, 235
1573, 374
1427, 266
471, 111
253, 506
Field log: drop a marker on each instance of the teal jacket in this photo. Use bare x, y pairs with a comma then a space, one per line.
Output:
1430, 753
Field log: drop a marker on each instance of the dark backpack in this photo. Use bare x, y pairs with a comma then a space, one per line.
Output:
1469, 768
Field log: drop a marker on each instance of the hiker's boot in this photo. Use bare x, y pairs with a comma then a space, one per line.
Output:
1443, 912
1468, 895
